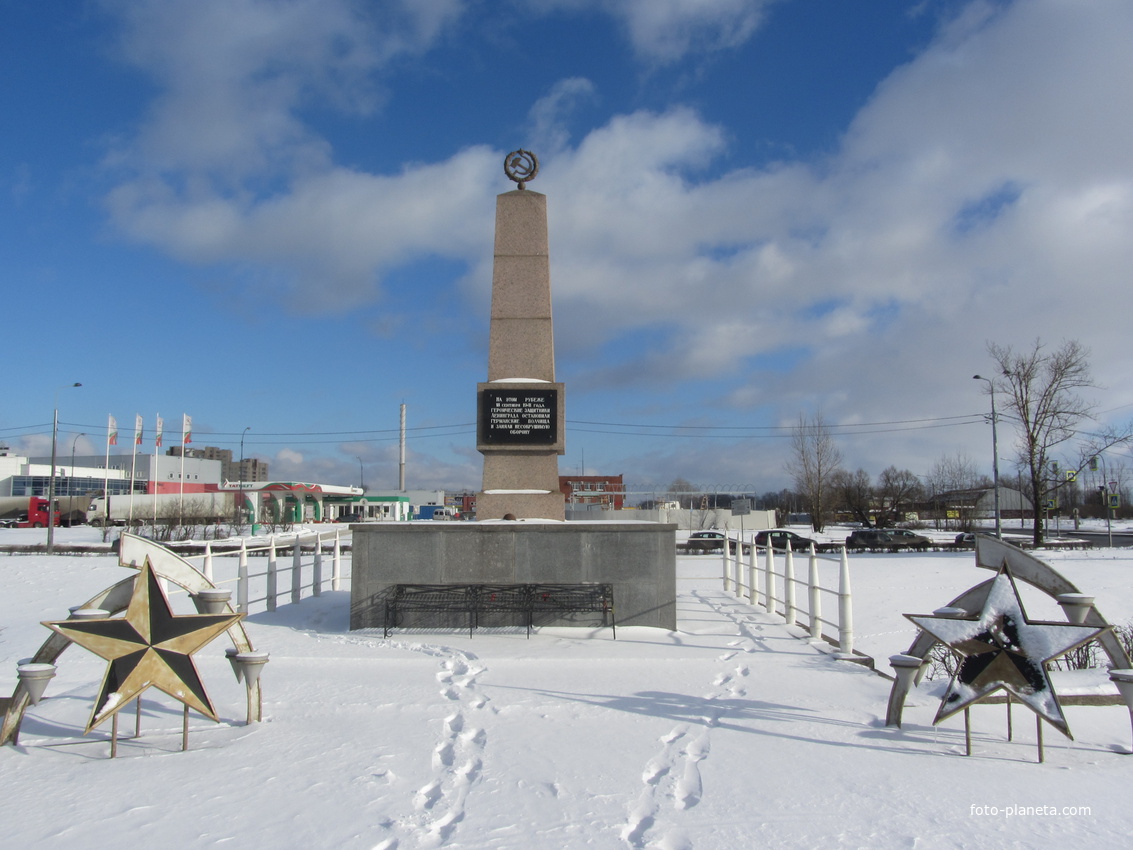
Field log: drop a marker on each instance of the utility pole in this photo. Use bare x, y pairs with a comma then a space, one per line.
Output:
401, 462
994, 457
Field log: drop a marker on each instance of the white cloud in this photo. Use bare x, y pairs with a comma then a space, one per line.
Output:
287, 458
549, 112
331, 234
665, 31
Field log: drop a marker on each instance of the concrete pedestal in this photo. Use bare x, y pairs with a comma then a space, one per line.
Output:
638, 559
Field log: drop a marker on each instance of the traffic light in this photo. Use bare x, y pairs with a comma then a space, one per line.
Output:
1093, 464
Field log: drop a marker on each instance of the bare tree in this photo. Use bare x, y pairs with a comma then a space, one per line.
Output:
897, 489
682, 491
1042, 389
814, 460
853, 492
953, 483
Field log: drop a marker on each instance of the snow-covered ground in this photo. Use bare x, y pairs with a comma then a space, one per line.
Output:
728, 733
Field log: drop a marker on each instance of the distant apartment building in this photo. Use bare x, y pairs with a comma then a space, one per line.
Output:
249, 469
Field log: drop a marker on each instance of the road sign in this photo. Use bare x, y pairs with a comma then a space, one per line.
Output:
741, 507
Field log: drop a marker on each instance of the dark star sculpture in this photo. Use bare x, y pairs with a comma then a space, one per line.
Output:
149, 647
1000, 649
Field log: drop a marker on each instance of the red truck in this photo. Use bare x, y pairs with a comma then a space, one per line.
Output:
25, 512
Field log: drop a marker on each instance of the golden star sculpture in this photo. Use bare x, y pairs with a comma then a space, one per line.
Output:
1001, 649
149, 647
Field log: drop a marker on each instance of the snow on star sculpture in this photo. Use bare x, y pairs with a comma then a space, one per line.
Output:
1002, 649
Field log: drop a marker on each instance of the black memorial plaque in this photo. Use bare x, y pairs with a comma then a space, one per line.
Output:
519, 417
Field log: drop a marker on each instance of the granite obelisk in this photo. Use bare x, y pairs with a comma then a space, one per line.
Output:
520, 410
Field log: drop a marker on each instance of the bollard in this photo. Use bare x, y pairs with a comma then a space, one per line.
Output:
272, 576
724, 562
242, 579
207, 568
845, 608
752, 593
317, 570
769, 579
297, 570
814, 586
789, 584
336, 563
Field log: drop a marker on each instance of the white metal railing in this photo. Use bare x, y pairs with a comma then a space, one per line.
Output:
306, 565
758, 579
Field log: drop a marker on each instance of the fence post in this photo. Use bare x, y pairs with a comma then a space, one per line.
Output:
297, 570
273, 575
815, 588
845, 608
769, 579
208, 560
317, 572
336, 563
242, 579
752, 591
789, 585
724, 562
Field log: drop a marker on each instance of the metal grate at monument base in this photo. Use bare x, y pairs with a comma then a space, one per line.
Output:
450, 605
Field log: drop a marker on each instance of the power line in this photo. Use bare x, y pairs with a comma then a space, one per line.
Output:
787, 428
627, 429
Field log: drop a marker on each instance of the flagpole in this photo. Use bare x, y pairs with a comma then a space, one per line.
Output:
156, 484
111, 435
134, 463
181, 501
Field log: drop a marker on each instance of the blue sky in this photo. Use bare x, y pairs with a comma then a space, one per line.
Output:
278, 215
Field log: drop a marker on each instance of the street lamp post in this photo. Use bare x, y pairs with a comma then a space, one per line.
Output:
51, 480
1105, 503
245, 431
73, 457
994, 456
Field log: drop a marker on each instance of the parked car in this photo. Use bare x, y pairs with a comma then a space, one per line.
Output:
708, 541
914, 541
875, 540
965, 540
778, 538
